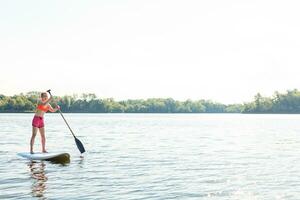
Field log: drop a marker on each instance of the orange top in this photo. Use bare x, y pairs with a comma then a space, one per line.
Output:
42, 107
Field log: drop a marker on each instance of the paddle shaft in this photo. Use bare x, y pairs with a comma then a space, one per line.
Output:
49, 91
66, 122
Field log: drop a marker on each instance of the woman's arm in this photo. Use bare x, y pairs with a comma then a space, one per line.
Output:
53, 109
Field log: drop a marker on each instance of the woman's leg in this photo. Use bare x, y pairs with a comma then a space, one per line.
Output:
34, 131
42, 131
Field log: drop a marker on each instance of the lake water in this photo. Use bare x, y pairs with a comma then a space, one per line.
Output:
155, 156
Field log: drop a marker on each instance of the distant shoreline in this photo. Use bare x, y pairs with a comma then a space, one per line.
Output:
279, 103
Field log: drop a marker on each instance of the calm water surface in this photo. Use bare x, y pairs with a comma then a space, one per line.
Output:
153, 156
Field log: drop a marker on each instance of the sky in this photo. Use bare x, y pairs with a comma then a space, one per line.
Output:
226, 51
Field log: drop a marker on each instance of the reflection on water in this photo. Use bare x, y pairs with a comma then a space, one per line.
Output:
81, 161
37, 170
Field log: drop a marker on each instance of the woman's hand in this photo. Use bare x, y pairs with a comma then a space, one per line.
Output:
57, 107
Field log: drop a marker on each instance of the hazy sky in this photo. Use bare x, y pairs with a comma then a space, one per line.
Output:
221, 50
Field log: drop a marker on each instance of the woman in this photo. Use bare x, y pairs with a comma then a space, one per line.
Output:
38, 120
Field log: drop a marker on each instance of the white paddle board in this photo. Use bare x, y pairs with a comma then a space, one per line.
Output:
46, 156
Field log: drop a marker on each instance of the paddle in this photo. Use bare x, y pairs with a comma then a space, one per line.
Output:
77, 141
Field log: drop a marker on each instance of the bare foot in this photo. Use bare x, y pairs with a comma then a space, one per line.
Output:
44, 151
31, 152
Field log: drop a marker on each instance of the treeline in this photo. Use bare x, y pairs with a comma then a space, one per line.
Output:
288, 102
89, 103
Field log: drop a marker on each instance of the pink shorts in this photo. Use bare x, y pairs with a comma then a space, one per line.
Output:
38, 122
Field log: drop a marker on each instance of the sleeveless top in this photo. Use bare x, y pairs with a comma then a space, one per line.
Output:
42, 107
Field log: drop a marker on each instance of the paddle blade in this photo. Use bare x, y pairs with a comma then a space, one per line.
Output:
79, 145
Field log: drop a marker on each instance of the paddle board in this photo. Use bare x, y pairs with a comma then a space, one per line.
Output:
58, 157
